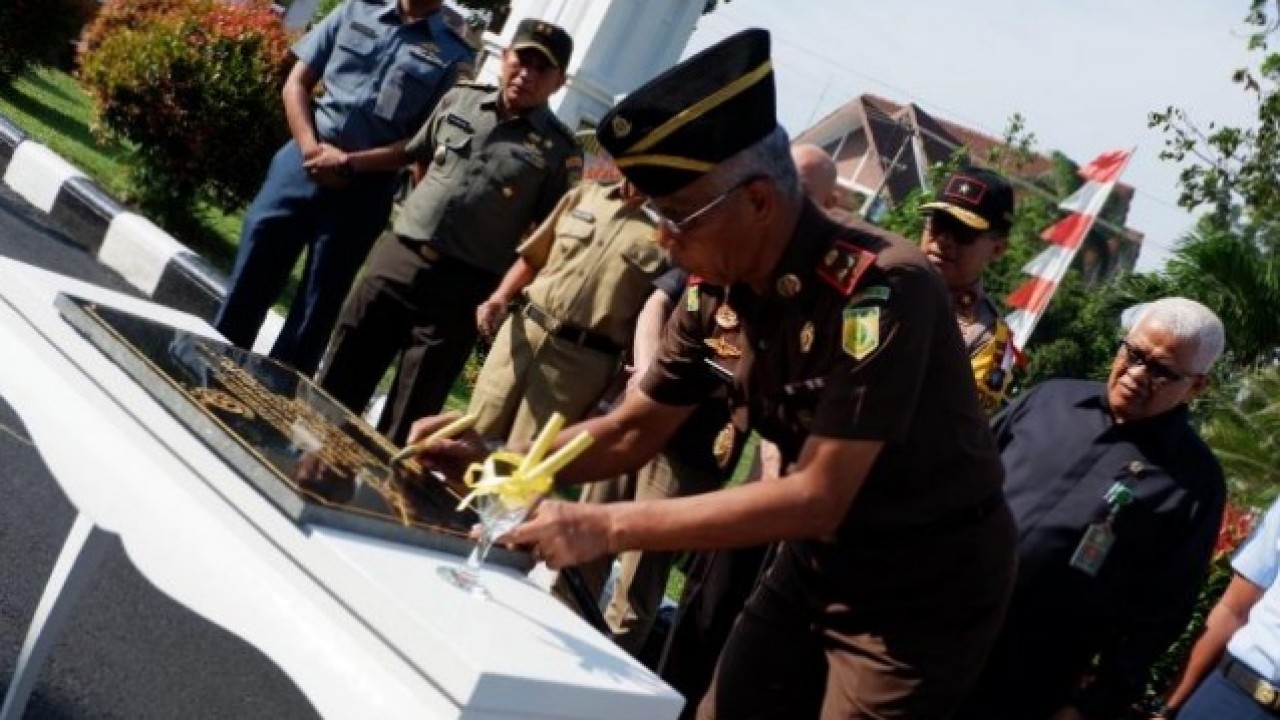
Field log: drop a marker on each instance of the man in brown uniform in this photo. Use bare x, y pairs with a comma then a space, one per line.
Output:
966, 229
580, 282
494, 161
842, 349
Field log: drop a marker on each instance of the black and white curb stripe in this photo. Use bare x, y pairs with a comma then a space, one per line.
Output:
144, 254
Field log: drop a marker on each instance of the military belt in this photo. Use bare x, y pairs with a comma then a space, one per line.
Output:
1262, 690
570, 333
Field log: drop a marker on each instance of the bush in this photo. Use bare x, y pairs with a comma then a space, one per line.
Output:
195, 89
38, 32
119, 15
1237, 523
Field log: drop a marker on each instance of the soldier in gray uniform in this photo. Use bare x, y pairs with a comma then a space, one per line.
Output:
493, 163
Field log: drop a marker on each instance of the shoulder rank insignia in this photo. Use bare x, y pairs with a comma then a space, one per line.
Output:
869, 294
806, 337
692, 301
843, 265
860, 332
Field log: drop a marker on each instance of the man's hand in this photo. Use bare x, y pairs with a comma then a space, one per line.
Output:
450, 457
489, 316
328, 167
564, 534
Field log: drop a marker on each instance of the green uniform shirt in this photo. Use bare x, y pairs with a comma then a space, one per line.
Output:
597, 259
488, 180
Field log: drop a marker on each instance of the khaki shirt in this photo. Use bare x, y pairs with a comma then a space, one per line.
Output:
488, 180
855, 340
597, 259
987, 339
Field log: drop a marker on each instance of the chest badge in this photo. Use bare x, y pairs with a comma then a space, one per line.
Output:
722, 446
860, 331
726, 318
806, 337
788, 286
723, 348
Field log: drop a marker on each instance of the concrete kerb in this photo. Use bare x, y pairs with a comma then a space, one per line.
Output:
145, 255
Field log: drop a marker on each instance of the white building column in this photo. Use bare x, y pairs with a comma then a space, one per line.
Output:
617, 46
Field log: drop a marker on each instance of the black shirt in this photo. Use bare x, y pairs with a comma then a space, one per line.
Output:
1062, 452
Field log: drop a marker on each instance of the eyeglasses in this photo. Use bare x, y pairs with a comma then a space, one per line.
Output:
943, 223
1160, 373
679, 227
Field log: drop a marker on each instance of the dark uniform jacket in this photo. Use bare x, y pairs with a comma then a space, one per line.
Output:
855, 340
1062, 452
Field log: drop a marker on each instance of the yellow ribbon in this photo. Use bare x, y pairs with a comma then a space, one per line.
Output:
520, 480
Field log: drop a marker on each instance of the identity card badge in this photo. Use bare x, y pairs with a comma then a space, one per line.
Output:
1093, 548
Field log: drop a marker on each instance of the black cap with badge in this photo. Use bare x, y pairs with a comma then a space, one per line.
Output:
678, 126
550, 40
981, 199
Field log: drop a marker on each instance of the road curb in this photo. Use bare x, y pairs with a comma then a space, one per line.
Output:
144, 254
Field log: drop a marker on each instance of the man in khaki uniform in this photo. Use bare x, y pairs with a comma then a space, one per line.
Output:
493, 162
579, 283
966, 229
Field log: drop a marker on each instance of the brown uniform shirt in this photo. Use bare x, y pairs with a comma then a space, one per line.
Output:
856, 340
597, 258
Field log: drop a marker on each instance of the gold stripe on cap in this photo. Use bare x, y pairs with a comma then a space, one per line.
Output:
670, 161
702, 107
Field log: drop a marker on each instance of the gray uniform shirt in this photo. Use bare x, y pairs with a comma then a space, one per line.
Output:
488, 180
382, 76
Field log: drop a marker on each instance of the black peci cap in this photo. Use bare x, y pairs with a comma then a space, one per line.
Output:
550, 40
678, 126
979, 198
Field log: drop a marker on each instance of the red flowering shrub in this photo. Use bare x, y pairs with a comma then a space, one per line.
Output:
195, 89
38, 31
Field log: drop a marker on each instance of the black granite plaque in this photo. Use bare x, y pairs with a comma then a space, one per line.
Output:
317, 462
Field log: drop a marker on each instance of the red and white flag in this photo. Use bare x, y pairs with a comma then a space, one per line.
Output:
1065, 238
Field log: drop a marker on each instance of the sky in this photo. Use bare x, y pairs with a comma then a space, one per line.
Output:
1085, 74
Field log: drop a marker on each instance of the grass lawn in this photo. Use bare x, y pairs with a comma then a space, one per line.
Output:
49, 105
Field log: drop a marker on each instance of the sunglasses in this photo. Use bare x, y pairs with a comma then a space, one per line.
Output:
942, 223
1159, 372
679, 227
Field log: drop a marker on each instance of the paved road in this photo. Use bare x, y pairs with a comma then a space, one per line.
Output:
130, 651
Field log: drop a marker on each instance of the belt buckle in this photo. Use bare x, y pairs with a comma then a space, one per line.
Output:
1264, 693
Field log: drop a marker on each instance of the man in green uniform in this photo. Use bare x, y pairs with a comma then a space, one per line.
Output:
579, 284
493, 162
841, 347
966, 229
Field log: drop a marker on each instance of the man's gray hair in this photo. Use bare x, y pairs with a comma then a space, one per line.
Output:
768, 157
1190, 322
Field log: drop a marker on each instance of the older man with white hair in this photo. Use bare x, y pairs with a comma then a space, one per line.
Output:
1118, 503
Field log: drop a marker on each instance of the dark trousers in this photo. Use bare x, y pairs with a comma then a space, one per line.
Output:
716, 589
423, 310
1218, 698
289, 215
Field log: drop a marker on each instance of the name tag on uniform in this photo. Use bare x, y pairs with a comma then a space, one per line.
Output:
582, 215
1092, 551
459, 122
364, 30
